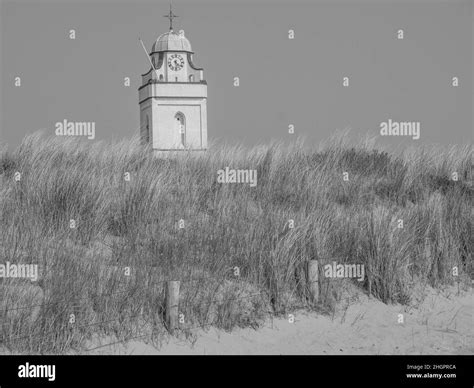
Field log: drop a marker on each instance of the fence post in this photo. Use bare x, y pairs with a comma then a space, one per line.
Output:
313, 280
172, 302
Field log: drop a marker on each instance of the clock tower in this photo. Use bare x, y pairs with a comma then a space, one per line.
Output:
173, 96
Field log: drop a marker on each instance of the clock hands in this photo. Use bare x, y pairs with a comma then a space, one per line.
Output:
175, 63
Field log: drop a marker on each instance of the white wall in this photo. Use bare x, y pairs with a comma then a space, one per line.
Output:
165, 135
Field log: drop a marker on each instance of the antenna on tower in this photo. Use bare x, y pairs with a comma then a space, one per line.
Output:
171, 16
151, 63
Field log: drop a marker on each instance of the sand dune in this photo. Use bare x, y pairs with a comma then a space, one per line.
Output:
436, 322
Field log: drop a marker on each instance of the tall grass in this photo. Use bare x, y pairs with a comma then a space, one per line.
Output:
135, 224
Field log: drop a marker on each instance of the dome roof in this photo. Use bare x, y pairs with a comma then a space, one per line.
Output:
172, 41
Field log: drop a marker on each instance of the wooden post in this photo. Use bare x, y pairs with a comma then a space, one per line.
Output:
313, 280
172, 302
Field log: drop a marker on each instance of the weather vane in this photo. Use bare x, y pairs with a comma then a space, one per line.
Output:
171, 16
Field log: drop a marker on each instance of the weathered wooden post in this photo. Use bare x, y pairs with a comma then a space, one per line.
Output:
172, 305
313, 280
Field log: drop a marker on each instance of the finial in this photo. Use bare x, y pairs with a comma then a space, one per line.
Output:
171, 16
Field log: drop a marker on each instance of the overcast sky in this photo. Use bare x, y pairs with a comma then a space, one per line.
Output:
282, 81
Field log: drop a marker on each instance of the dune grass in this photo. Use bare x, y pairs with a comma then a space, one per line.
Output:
135, 226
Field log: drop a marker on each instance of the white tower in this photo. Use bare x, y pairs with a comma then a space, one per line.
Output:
173, 96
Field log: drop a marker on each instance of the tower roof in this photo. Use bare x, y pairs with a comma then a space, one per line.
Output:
171, 41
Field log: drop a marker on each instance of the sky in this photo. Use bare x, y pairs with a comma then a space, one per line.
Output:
282, 81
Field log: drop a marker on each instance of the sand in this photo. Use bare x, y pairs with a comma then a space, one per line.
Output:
435, 322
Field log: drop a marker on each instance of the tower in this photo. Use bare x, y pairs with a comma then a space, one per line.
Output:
173, 96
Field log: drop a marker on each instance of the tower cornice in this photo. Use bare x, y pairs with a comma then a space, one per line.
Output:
171, 51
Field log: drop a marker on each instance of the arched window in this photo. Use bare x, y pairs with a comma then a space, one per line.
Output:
181, 128
147, 130
175, 79
191, 78
161, 77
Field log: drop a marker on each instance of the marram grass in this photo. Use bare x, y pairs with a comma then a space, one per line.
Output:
135, 224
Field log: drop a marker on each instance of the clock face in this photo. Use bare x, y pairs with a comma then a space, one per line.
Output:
175, 62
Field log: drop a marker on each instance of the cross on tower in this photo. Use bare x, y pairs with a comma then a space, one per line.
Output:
171, 16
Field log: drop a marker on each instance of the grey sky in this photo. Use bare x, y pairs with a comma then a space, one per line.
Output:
282, 81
